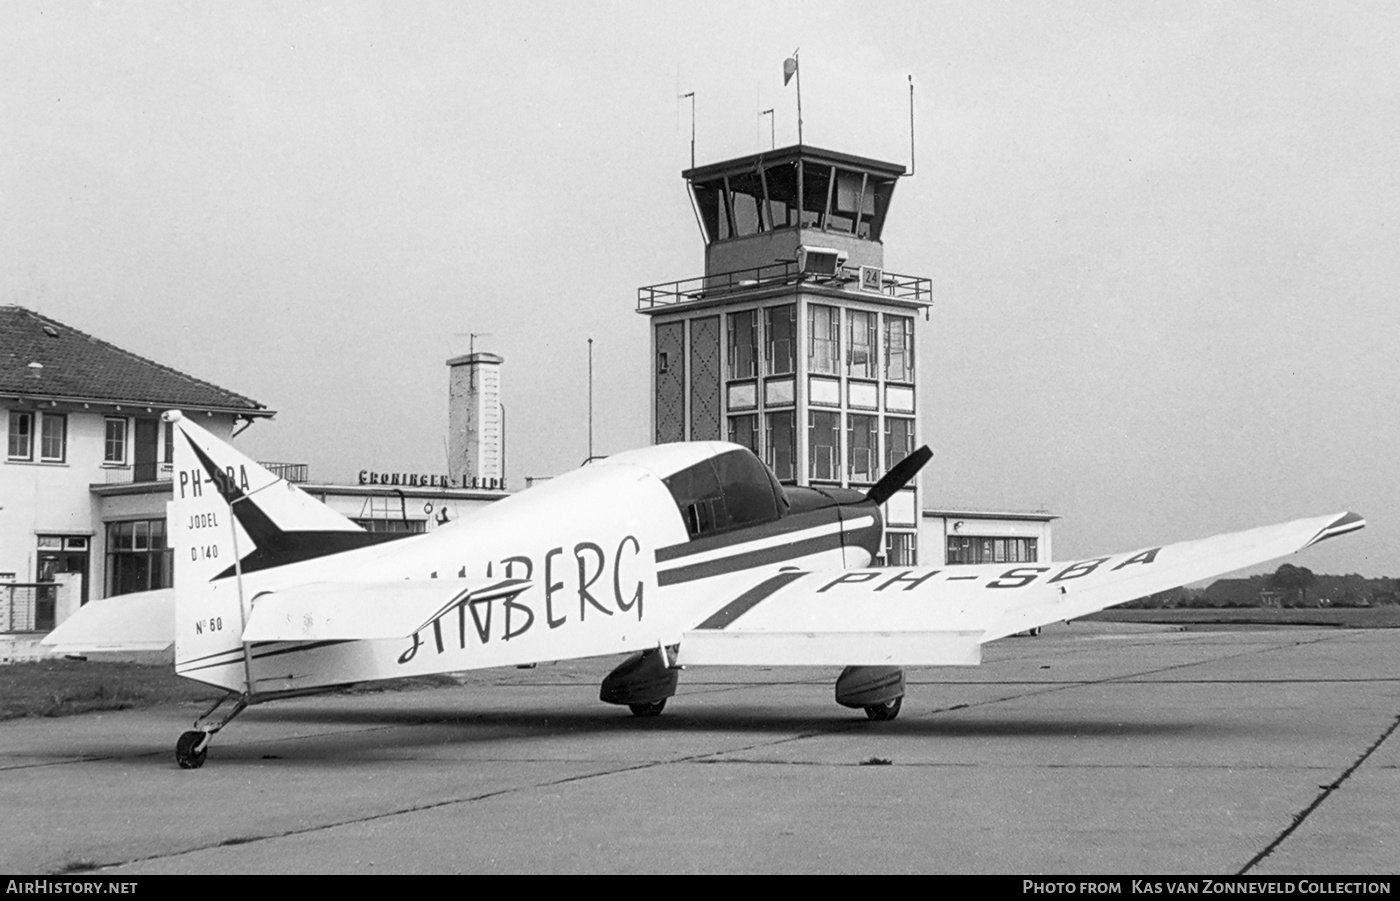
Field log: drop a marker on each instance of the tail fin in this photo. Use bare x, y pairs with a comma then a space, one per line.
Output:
283, 523
227, 510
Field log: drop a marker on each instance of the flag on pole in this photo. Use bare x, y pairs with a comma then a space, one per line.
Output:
789, 69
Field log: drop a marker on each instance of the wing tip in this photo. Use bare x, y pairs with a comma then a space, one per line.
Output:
1340, 525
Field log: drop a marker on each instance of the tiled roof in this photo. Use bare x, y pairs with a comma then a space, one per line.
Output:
77, 366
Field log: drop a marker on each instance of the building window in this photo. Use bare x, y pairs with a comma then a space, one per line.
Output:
780, 444
406, 527
899, 349
900, 549
975, 549
782, 194
743, 430
746, 197
114, 444
846, 200
860, 359
21, 435
743, 344
823, 338
53, 438
780, 331
816, 180
170, 443
861, 450
138, 558
823, 446
899, 440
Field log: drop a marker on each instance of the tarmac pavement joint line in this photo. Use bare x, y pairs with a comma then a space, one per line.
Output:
1049, 687
85, 867
416, 808
1040, 689
1300, 817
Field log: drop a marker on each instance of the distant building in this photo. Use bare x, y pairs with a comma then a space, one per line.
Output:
475, 420
87, 459
981, 536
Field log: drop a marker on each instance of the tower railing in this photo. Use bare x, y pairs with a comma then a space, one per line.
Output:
706, 287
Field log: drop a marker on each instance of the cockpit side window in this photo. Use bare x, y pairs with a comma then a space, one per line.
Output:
748, 491
726, 492
701, 502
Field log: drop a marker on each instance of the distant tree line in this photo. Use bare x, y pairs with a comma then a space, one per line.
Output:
1287, 586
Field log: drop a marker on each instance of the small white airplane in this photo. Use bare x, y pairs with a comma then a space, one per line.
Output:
684, 554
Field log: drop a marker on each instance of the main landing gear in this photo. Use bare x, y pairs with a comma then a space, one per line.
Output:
193, 746
883, 712
652, 708
878, 690
643, 681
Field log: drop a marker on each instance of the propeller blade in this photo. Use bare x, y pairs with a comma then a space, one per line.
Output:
898, 477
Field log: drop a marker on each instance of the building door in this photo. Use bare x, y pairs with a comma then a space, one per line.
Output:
62, 554
147, 436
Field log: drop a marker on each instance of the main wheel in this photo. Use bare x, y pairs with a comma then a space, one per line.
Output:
186, 755
886, 711
653, 708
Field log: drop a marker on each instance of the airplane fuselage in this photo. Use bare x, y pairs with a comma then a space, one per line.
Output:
611, 564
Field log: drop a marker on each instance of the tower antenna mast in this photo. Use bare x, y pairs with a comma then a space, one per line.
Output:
911, 125
691, 95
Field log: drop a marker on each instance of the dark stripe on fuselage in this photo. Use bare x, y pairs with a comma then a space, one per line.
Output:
264, 653
748, 600
788, 524
751, 559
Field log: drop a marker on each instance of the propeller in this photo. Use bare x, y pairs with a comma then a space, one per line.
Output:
898, 477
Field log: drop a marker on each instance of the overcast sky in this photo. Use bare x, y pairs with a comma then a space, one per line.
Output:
1163, 236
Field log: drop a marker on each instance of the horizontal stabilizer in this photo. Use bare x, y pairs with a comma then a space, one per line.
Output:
128, 622
344, 611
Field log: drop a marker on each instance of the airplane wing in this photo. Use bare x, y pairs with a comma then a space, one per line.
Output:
340, 611
927, 616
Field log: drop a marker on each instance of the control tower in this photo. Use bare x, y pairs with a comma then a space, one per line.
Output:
795, 342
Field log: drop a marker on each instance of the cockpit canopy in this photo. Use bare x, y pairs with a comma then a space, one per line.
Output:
727, 491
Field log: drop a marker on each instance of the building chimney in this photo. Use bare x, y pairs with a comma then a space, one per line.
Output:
476, 438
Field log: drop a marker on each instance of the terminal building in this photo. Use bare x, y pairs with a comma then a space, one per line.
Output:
797, 343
